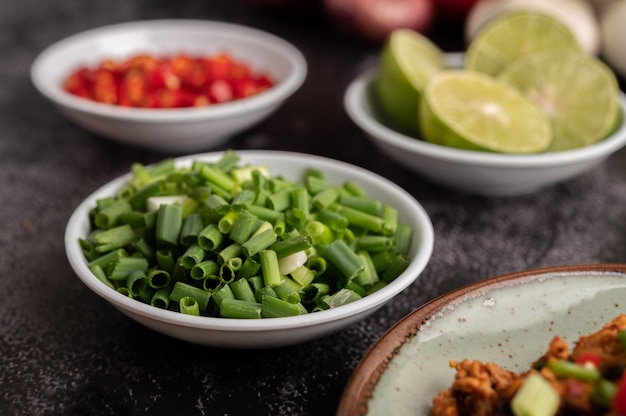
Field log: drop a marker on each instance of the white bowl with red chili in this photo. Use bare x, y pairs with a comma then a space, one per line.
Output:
169, 85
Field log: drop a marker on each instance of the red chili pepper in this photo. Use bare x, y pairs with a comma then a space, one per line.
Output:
618, 403
177, 81
589, 357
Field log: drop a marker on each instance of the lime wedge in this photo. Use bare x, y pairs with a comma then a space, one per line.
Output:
515, 34
471, 110
407, 61
577, 92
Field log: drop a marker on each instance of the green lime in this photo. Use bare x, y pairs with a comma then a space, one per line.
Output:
578, 93
514, 34
407, 61
475, 111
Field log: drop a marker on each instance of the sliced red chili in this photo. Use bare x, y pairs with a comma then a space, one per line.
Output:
618, 403
589, 357
175, 81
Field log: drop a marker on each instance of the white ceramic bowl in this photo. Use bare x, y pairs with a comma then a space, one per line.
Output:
175, 130
475, 172
260, 333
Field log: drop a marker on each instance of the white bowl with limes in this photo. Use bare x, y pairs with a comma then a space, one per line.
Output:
475, 172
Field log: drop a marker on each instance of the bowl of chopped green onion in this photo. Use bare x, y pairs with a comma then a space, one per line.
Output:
248, 249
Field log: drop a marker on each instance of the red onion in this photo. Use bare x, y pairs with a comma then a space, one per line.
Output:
376, 19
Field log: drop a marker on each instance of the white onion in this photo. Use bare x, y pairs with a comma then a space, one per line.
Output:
291, 262
376, 19
613, 24
154, 202
578, 15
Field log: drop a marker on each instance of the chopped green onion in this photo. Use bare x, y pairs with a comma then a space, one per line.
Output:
303, 275
124, 266
106, 260
228, 161
375, 243
280, 201
101, 275
161, 299
114, 238
314, 292
361, 219
109, 216
341, 297
243, 227
390, 220
169, 224
334, 220
192, 226
259, 242
210, 238
249, 268
621, 335
573, 370
403, 236
361, 203
192, 256
264, 213
368, 276
218, 177
292, 245
226, 223
263, 291
603, 392
353, 188
204, 269
244, 198
240, 309
165, 259
228, 252
189, 306
286, 292
396, 268
272, 307
269, 268
227, 273
217, 204
158, 278
136, 282
242, 290
315, 184
343, 258
324, 198
224, 292
183, 290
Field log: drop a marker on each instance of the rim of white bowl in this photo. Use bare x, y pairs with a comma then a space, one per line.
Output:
277, 93
426, 240
355, 102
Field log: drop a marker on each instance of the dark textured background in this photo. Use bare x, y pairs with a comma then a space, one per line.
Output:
64, 351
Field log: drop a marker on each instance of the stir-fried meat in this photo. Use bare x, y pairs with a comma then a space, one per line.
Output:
485, 389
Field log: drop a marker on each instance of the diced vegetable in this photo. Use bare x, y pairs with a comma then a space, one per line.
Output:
536, 397
233, 241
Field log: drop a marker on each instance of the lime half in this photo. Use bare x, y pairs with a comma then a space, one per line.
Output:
578, 93
515, 34
470, 110
407, 61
